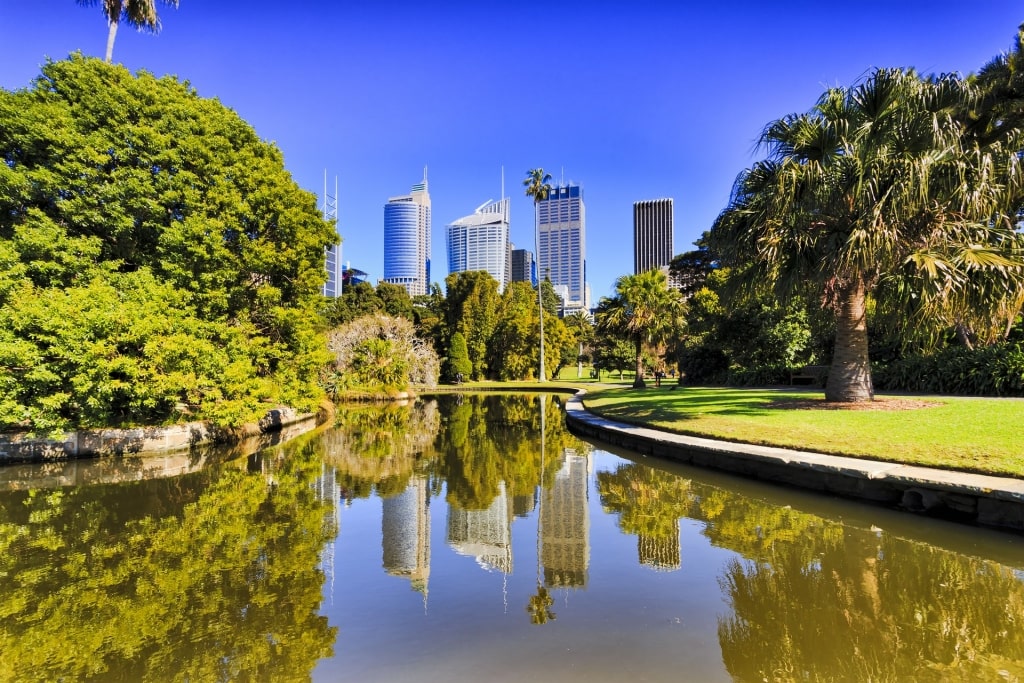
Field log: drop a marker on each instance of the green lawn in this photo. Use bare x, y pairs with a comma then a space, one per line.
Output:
974, 434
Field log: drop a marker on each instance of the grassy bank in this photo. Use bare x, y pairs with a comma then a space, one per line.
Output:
972, 434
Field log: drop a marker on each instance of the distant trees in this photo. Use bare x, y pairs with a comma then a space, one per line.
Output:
139, 14
362, 299
159, 262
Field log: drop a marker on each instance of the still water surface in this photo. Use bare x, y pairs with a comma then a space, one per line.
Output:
472, 538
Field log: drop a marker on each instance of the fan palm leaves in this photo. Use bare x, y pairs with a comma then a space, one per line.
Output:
876, 183
644, 309
139, 14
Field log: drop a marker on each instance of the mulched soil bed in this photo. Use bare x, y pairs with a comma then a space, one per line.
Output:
877, 404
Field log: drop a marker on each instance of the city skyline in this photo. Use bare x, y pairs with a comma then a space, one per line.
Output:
650, 100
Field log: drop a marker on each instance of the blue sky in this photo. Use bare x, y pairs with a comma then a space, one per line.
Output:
637, 100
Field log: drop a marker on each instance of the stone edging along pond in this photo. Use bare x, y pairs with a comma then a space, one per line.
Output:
960, 496
16, 448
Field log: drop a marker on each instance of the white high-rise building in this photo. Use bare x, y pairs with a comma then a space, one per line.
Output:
562, 248
480, 241
407, 239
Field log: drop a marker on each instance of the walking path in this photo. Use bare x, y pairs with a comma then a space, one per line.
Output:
974, 498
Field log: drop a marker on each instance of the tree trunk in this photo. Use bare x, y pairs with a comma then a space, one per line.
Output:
638, 381
111, 34
849, 378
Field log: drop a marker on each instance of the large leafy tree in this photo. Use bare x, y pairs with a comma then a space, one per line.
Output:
139, 14
159, 261
644, 309
538, 187
876, 182
471, 308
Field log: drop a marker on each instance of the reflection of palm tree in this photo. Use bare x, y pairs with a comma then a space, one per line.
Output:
539, 606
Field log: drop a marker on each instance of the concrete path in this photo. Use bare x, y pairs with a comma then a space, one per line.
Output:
974, 498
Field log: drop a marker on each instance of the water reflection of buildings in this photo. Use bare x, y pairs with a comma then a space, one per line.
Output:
484, 534
326, 487
565, 524
406, 534
660, 552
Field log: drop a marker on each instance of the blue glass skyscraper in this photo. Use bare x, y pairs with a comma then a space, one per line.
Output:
407, 240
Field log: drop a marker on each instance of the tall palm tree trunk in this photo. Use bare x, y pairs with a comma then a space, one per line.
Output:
849, 378
111, 34
638, 381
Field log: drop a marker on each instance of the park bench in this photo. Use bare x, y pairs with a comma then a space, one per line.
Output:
813, 375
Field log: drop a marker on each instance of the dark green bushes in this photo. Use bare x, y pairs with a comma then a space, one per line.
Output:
996, 370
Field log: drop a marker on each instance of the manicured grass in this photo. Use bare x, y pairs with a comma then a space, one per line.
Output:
972, 434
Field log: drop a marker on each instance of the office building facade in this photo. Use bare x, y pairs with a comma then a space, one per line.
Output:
480, 241
407, 240
562, 245
523, 266
652, 235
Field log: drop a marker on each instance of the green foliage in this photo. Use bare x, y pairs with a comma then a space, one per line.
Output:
743, 341
361, 299
471, 308
458, 364
996, 370
514, 351
614, 355
160, 263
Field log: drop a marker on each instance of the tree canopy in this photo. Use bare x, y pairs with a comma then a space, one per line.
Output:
159, 261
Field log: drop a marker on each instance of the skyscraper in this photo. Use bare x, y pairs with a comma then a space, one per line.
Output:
480, 242
523, 269
562, 248
407, 239
652, 234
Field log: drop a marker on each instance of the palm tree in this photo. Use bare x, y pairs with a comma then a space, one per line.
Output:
140, 14
644, 309
876, 182
538, 186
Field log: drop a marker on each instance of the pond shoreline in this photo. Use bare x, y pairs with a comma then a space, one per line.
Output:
19, 448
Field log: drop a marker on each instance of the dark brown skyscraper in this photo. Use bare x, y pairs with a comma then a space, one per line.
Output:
652, 234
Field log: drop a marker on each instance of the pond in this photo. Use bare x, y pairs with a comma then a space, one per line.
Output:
473, 538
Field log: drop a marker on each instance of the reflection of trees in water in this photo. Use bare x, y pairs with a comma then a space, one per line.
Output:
649, 503
820, 601
210, 576
492, 438
380, 446
816, 600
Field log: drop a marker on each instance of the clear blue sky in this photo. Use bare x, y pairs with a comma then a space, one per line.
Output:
631, 100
